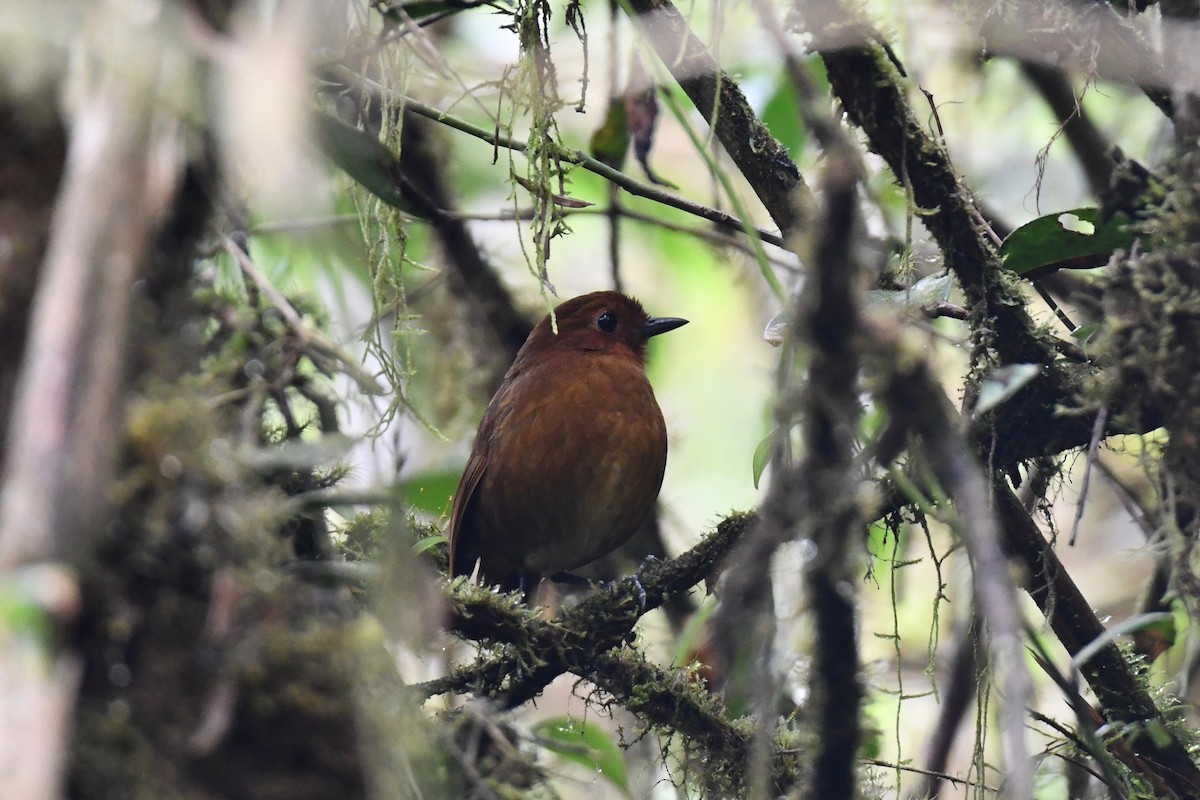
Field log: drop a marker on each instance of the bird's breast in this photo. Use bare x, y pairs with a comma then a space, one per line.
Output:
575, 462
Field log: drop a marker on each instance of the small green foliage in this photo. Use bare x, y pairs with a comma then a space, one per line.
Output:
1077, 239
762, 455
585, 743
692, 636
428, 543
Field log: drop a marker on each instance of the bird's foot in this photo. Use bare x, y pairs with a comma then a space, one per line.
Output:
649, 561
613, 587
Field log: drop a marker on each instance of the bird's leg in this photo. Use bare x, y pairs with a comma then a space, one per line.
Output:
635, 579
528, 582
650, 561
571, 579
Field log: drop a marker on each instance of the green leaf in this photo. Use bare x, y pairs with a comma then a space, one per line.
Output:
693, 633
1002, 383
587, 744
427, 543
929, 291
1076, 239
364, 158
419, 9
1083, 334
21, 615
871, 744
762, 454
781, 114
31, 597
1158, 733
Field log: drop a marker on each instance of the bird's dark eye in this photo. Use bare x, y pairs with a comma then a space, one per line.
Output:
607, 322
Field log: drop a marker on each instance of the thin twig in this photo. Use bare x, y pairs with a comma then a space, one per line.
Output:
1097, 435
1129, 500
914, 395
710, 236
762, 160
309, 337
629, 184
290, 225
945, 776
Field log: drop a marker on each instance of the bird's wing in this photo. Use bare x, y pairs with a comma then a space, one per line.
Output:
463, 530
463, 550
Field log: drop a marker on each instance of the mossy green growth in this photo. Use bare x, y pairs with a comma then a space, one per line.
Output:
1150, 329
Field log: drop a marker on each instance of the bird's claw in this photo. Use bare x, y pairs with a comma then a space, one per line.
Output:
649, 561
641, 591
618, 589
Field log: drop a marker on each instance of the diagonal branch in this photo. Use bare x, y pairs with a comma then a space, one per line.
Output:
670, 699
763, 161
865, 81
1048, 583
342, 77
601, 621
1119, 691
587, 641
868, 87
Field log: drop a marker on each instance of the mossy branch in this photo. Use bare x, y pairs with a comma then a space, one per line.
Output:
602, 620
587, 641
867, 85
864, 77
668, 699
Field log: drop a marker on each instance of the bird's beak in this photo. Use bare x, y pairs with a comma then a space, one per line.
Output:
656, 325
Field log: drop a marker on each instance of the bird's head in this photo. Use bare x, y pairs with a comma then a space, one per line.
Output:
600, 321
